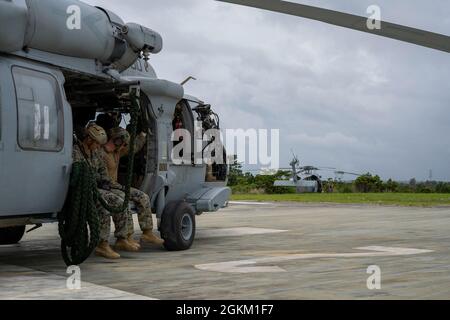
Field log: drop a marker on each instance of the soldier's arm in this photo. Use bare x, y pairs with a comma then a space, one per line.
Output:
101, 168
141, 139
105, 182
104, 175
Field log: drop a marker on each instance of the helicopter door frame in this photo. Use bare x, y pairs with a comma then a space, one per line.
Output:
36, 154
188, 125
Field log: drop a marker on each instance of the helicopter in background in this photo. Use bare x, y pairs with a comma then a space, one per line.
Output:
304, 178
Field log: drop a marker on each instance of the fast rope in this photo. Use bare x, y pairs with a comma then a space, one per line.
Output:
79, 221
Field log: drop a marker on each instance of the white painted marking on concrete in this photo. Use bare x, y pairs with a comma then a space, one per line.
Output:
246, 266
251, 203
19, 283
234, 232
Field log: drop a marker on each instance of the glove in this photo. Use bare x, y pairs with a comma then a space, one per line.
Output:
118, 186
105, 185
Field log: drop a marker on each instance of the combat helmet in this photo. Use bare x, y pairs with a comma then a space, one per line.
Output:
119, 136
97, 133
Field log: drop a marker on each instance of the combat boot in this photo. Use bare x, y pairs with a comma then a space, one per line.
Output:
134, 242
124, 245
104, 250
149, 237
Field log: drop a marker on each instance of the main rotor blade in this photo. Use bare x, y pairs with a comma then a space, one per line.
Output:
350, 173
389, 30
354, 174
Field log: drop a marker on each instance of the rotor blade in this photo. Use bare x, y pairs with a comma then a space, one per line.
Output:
389, 30
350, 173
258, 170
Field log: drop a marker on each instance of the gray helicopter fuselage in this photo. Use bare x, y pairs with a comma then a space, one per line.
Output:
36, 114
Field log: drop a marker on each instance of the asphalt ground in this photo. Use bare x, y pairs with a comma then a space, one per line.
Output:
257, 251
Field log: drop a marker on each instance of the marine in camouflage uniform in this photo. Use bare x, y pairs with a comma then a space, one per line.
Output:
89, 150
113, 151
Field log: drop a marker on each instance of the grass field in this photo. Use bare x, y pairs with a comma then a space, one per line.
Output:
397, 199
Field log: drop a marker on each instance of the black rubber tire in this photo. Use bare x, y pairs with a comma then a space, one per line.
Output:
11, 235
177, 238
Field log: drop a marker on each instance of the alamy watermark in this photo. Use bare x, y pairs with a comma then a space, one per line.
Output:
74, 19
374, 280
73, 282
374, 20
259, 147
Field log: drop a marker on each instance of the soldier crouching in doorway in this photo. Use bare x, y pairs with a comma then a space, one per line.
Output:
89, 150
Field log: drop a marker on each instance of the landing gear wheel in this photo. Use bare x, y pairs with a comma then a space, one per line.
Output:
11, 235
178, 226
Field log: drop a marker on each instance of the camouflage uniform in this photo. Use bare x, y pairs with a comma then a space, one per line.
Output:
140, 198
144, 210
120, 219
112, 159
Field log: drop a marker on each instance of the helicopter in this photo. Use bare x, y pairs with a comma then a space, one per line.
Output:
56, 77
305, 179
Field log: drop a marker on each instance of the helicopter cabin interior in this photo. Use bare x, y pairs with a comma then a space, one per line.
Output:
106, 103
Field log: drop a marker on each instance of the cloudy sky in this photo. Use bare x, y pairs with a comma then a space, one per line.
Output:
340, 98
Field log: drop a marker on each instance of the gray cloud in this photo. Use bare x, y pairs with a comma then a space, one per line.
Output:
341, 98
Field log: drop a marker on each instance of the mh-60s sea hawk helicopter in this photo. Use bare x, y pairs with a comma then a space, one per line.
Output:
56, 77
305, 179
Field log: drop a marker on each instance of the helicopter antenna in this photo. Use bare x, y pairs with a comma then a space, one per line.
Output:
187, 80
